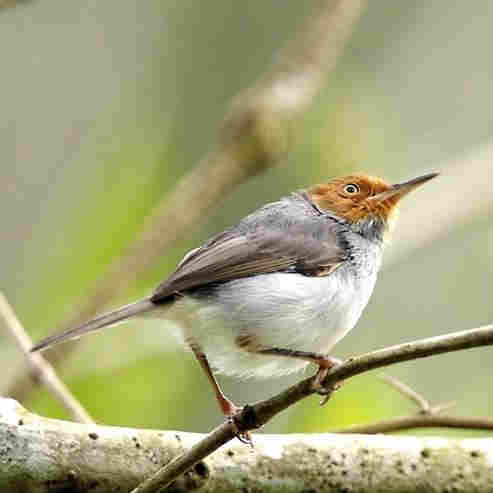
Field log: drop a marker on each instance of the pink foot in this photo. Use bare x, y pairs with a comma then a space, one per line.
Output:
231, 411
324, 365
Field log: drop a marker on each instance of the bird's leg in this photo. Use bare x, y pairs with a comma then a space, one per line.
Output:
228, 408
324, 362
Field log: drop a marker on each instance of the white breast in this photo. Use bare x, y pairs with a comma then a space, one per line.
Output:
279, 310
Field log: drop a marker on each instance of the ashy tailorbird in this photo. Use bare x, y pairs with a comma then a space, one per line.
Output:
279, 289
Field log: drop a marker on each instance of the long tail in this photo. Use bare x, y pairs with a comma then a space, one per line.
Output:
104, 320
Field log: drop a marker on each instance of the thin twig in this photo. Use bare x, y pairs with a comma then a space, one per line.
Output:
254, 135
425, 406
257, 415
39, 367
419, 421
182, 463
440, 408
408, 392
427, 417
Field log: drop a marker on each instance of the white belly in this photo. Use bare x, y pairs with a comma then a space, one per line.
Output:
280, 310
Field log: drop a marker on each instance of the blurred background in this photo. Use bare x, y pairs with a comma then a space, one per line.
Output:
106, 105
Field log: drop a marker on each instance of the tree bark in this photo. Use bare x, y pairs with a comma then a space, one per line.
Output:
46, 455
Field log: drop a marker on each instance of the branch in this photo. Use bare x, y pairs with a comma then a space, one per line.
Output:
427, 417
420, 421
408, 392
423, 404
254, 135
455, 341
39, 368
46, 455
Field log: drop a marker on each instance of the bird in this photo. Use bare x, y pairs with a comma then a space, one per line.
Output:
280, 288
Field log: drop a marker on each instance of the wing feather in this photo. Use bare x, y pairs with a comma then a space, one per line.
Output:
309, 246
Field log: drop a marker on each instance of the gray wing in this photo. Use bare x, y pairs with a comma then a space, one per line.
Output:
309, 246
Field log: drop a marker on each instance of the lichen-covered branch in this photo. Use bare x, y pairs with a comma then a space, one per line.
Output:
255, 133
45, 455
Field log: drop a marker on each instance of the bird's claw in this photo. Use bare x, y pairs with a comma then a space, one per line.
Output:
317, 384
326, 391
243, 436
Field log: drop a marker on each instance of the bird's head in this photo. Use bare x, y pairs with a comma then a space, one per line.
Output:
362, 200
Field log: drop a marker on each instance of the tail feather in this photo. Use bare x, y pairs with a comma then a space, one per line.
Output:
99, 322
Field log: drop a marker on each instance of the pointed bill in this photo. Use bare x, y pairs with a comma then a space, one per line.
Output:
398, 190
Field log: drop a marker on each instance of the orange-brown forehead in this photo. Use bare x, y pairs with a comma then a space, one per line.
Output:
368, 184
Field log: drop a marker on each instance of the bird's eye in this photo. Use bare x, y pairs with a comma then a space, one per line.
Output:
351, 188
